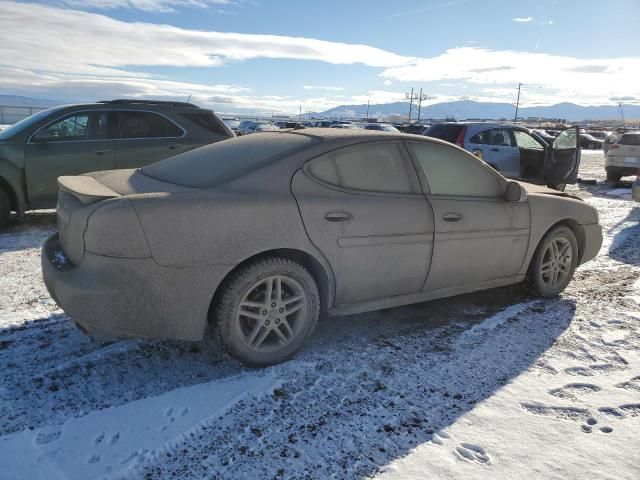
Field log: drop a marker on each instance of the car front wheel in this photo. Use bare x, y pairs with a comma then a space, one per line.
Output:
267, 310
554, 262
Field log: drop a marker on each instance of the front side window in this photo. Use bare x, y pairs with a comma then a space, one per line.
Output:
147, 125
498, 137
73, 127
452, 172
377, 167
524, 140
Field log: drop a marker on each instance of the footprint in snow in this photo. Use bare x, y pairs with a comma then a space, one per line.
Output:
47, 436
472, 453
570, 390
95, 458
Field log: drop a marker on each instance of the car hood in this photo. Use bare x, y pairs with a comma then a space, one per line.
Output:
540, 189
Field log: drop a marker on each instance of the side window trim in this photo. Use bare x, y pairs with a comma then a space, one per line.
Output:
92, 111
406, 159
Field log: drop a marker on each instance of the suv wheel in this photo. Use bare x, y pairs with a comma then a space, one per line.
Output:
266, 311
554, 262
5, 208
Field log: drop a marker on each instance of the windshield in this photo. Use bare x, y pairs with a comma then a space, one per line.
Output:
629, 139
222, 161
26, 123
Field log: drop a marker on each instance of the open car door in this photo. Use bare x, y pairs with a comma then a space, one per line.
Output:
563, 159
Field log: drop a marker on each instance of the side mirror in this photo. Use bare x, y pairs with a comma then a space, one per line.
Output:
515, 192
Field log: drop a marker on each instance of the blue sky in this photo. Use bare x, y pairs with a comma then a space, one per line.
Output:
246, 55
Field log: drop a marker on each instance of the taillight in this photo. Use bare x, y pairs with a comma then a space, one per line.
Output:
460, 137
614, 146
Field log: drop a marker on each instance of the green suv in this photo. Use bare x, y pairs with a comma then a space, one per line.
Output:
75, 139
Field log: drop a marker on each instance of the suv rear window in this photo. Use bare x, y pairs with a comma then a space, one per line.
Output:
223, 161
208, 121
629, 139
147, 125
445, 131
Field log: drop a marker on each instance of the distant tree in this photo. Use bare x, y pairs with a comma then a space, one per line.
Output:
450, 119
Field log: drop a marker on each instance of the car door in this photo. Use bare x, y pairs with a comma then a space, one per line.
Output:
533, 154
147, 137
77, 143
497, 147
479, 235
362, 208
563, 161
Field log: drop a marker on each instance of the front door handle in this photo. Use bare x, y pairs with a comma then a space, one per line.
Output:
495, 149
452, 217
338, 216
173, 146
102, 152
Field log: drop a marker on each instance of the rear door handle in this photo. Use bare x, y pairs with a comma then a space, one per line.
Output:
338, 216
173, 146
452, 217
495, 149
102, 152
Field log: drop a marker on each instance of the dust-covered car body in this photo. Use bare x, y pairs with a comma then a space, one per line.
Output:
147, 252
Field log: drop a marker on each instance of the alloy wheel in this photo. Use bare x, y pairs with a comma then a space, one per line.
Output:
556, 262
271, 314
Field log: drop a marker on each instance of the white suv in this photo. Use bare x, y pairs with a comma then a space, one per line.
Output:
623, 157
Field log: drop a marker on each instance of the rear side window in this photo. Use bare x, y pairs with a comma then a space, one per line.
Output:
451, 172
147, 125
208, 121
377, 167
629, 139
445, 131
496, 136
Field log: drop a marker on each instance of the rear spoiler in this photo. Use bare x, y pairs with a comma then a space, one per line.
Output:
86, 189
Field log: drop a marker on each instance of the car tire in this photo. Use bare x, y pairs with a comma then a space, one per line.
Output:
613, 176
554, 262
592, 146
558, 186
5, 208
258, 331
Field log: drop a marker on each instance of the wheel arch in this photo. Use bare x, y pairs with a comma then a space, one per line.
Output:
577, 230
13, 197
322, 276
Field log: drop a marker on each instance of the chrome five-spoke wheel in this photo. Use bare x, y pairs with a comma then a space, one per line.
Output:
269, 315
267, 310
554, 262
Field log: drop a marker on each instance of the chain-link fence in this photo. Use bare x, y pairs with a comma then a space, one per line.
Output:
11, 114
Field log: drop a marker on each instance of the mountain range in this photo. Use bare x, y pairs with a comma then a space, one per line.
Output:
468, 109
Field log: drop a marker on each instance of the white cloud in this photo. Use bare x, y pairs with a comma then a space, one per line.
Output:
563, 78
321, 87
522, 19
160, 6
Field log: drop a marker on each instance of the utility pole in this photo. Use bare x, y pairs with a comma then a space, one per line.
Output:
300, 112
421, 97
515, 119
368, 108
621, 111
411, 97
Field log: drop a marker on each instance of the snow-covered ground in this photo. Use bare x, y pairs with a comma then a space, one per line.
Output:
496, 385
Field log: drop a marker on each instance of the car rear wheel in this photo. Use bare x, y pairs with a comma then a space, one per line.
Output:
267, 310
554, 262
5, 208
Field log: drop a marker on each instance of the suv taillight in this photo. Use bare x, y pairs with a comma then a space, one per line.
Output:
460, 137
614, 146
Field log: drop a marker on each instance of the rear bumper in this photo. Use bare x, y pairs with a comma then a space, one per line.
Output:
593, 242
130, 297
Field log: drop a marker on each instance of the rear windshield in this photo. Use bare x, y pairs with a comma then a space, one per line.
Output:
208, 121
223, 161
630, 139
444, 131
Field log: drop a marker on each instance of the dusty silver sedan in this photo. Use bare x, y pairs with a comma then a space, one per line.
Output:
257, 237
